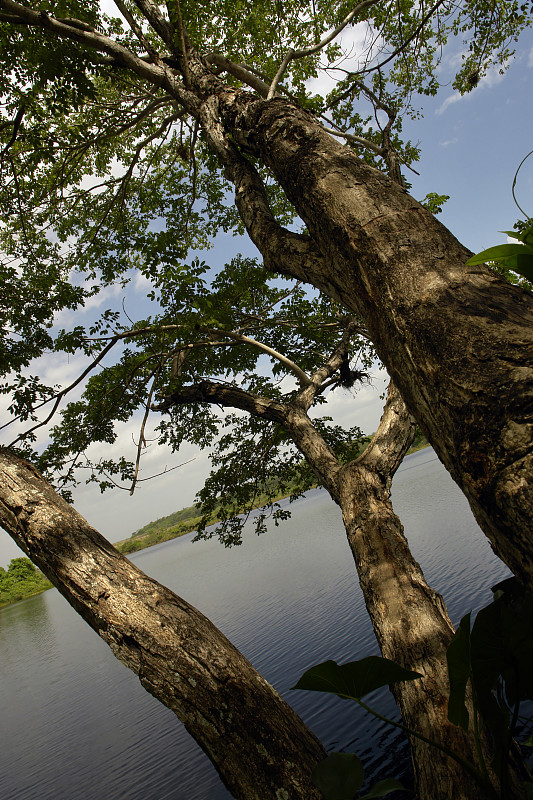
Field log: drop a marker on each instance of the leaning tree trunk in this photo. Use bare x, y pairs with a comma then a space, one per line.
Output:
409, 618
257, 743
457, 341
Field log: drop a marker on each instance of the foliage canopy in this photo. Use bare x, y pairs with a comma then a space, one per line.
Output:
110, 179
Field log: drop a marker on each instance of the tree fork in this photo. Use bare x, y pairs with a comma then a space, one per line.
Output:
409, 618
457, 341
257, 743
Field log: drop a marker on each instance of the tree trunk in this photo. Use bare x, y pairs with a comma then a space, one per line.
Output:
409, 619
457, 341
259, 746
412, 627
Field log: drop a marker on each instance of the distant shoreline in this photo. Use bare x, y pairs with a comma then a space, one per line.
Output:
27, 596
134, 545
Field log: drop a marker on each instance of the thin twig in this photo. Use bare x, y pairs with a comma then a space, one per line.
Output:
136, 28
408, 40
294, 54
139, 480
142, 440
61, 394
356, 140
16, 125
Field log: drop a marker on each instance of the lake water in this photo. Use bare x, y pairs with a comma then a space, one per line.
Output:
77, 725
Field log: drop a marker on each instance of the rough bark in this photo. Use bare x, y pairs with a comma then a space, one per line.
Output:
457, 341
410, 620
259, 746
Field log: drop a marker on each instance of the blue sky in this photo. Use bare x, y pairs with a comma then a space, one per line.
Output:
471, 148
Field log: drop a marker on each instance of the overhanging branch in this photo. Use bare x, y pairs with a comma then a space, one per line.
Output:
240, 72
228, 396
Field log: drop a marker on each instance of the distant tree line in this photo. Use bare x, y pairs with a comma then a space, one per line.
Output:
21, 580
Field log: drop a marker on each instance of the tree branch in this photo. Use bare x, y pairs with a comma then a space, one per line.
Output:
137, 30
142, 440
283, 251
239, 337
16, 125
153, 15
240, 72
294, 54
229, 396
174, 5
356, 140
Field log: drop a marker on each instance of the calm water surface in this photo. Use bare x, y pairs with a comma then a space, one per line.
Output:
77, 725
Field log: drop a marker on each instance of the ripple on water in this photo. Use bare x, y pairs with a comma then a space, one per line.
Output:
77, 725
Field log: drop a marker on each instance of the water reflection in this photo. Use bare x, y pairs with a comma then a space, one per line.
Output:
28, 620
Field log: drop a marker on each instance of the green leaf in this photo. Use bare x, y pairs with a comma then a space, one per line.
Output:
382, 788
355, 679
502, 650
521, 263
339, 776
525, 235
458, 658
528, 742
499, 253
514, 235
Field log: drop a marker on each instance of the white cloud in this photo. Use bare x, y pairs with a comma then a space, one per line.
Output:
453, 98
67, 317
355, 47
141, 283
448, 142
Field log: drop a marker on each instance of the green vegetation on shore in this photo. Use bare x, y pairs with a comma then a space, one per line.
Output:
21, 580
419, 443
187, 519
161, 530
